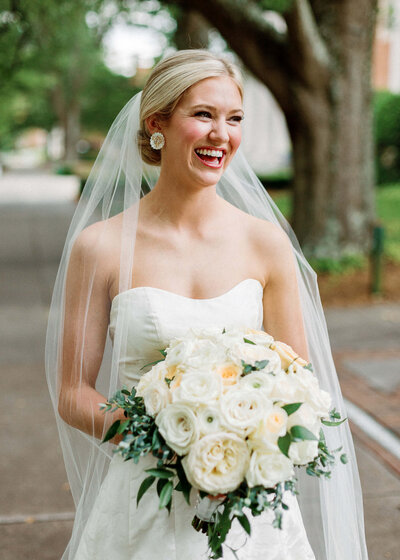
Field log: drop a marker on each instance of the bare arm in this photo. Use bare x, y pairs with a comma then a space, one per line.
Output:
282, 309
86, 319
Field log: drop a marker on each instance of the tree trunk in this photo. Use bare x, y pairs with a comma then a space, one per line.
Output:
319, 72
332, 141
192, 31
72, 131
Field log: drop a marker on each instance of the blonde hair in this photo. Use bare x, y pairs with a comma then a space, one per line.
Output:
167, 83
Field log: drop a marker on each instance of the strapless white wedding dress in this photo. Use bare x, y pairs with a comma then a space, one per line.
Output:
119, 530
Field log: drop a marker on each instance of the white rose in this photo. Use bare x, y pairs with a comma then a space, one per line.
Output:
156, 397
268, 467
252, 353
178, 425
272, 426
157, 373
217, 463
288, 389
259, 380
318, 399
242, 410
305, 416
196, 354
199, 387
302, 452
209, 420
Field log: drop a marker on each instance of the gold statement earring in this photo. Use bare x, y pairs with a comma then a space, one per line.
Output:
157, 140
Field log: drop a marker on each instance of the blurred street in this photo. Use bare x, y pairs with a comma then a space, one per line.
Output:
36, 508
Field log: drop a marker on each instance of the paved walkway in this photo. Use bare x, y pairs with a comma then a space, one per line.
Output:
35, 502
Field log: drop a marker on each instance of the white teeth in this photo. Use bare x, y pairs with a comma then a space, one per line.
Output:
212, 153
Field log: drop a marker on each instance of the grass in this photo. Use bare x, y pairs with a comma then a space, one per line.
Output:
388, 212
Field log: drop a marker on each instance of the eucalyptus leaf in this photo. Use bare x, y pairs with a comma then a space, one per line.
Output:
123, 426
334, 423
112, 430
284, 443
300, 433
245, 523
161, 473
166, 494
292, 407
147, 482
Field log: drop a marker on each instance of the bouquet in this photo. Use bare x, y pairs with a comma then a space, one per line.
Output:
230, 414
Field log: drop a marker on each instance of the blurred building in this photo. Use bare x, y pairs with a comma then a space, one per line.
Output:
386, 54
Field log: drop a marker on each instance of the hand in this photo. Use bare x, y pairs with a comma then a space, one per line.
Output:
217, 497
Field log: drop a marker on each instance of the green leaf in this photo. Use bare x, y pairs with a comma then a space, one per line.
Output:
249, 341
166, 494
123, 426
284, 443
245, 523
161, 482
329, 423
112, 430
344, 458
261, 364
147, 482
161, 473
309, 367
185, 486
300, 433
292, 407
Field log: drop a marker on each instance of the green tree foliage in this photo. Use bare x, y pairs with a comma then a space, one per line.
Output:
387, 136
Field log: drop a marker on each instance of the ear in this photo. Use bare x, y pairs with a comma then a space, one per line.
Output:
153, 123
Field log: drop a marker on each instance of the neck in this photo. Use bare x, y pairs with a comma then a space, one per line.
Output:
187, 207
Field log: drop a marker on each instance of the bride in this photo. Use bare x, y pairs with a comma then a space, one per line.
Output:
205, 246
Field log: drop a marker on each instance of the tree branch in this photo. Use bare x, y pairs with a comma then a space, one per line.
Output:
306, 43
263, 50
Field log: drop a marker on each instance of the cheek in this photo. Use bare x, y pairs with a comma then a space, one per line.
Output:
194, 132
236, 138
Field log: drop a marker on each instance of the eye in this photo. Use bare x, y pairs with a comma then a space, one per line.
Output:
205, 114
237, 118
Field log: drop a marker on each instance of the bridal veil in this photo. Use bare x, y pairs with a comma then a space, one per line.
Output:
332, 509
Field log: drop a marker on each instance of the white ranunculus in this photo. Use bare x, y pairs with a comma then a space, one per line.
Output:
209, 420
217, 463
251, 353
259, 380
242, 410
157, 373
268, 467
156, 397
271, 427
178, 425
305, 416
198, 387
302, 452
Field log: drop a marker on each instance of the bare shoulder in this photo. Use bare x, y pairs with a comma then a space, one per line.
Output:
272, 247
95, 250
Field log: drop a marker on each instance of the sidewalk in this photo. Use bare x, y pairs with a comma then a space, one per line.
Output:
35, 503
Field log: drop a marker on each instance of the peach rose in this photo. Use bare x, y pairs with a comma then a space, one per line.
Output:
286, 354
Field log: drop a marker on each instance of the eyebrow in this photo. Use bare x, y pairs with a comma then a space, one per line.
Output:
205, 106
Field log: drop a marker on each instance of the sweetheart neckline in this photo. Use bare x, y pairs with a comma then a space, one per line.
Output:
187, 297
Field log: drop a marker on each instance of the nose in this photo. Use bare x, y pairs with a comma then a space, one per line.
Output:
219, 131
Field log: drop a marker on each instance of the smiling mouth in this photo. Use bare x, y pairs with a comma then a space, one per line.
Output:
210, 157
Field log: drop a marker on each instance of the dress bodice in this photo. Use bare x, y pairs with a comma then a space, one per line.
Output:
143, 320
